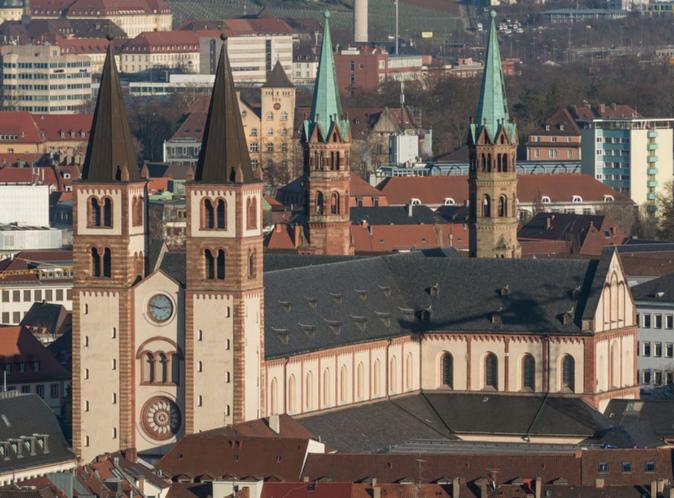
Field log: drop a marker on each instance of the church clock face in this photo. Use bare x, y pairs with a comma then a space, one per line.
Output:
161, 418
160, 308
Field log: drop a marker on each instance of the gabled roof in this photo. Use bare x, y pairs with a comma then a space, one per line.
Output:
111, 154
17, 345
659, 290
560, 123
383, 239
326, 106
224, 153
395, 215
278, 78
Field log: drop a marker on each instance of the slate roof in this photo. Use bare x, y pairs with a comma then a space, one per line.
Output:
15, 424
49, 316
656, 414
560, 226
443, 415
278, 78
659, 290
395, 215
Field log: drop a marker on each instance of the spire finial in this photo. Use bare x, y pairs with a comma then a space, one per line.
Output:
326, 14
492, 14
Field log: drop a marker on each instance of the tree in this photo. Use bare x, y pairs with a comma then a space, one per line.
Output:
666, 213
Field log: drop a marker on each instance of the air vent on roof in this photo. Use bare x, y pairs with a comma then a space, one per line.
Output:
335, 326
309, 330
385, 317
360, 321
567, 319
659, 294
336, 297
408, 313
312, 302
504, 291
285, 305
434, 290
282, 335
386, 290
575, 293
496, 317
424, 315
361, 294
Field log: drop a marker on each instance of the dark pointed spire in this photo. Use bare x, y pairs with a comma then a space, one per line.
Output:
111, 149
277, 78
224, 153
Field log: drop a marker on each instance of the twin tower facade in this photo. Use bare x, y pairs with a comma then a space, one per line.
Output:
170, 343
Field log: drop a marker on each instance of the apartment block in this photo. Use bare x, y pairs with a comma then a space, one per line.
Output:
633, 156
40, 79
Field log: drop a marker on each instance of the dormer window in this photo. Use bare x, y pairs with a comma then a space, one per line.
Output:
545, 199
608, 198
576, 199
449, 201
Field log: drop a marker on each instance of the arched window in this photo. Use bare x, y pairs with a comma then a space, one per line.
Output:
308, 391
448, 370
491, 371
95, 263
319, 202
251, 264
252, 213
221, 264
568, 373
334, 203
484, 162
291, 394
208, 215
343, 386
489, 162
209, 264
221, 211
107, 212
409, 373
502, 206
376, 376
137, 211
326, 387
107, 263
284, 116
360, 381
615, 365
94, 213
148, 368
274, 397
486, 206
528, 372
163, 368
393, 375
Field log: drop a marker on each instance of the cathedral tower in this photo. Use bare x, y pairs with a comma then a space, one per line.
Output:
224, 293
109, 248
492, 181
327, 148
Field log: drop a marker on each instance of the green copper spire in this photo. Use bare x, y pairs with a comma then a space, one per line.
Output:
492, 110
326, 107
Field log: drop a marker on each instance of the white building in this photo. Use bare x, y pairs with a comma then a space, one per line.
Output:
24, 205
633, 156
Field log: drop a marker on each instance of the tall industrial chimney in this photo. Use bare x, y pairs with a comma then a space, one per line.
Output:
360, 21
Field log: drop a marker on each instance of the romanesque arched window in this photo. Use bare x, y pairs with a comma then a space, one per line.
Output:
148, 368
334, 203
209, 265
491, 371
568, 373
447, 366
207, 214
94, 212
107, 212
251, 218
502, 206
163, 368
107, 263
221, 265
319, 202
486, 206
221, 214
95, 263
528, 372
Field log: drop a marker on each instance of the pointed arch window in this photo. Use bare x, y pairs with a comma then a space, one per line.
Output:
334, 203
528, 373
409, 373
486, 206
308, 391
360, 381
343, 384
393, 375
376, 376
251, 218
502, 206
291, 394
448, 370
491, 371
568, 373
273, 409
326, 387
137, 211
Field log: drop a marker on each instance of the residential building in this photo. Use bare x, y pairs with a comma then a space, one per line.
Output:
29, 368
31, 277
142, 16
11, 10
40, 79
632, 156
94, 48
34, 445
655, 318
255, 45
156, 49
47, 322
563, 16
56, 31
24, 205
557, 139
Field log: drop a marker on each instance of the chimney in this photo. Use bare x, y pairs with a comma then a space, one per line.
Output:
548, 222
376, 492
410, 209
654, 489
455, 488
539, 487
275, 423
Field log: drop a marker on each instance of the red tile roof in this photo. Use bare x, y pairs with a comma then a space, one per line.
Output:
20, 126
26, 260
18, 345
393, 238
62, 127
41, 175
83, 45
163, 41
241, 27
280, 239
108, 7
432, 190
20, 160
560, 123
587, 112
360, 188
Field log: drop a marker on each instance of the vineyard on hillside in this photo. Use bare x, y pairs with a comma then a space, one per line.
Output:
439, 16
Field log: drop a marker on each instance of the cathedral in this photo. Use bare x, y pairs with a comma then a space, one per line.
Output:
168, 343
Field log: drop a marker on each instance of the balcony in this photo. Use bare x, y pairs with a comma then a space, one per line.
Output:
652, 171
652, 134
652, 159
652, 183
652, 146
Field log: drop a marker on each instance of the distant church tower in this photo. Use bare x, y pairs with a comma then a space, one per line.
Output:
327, 149
109, 249
492, 181
224, 345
